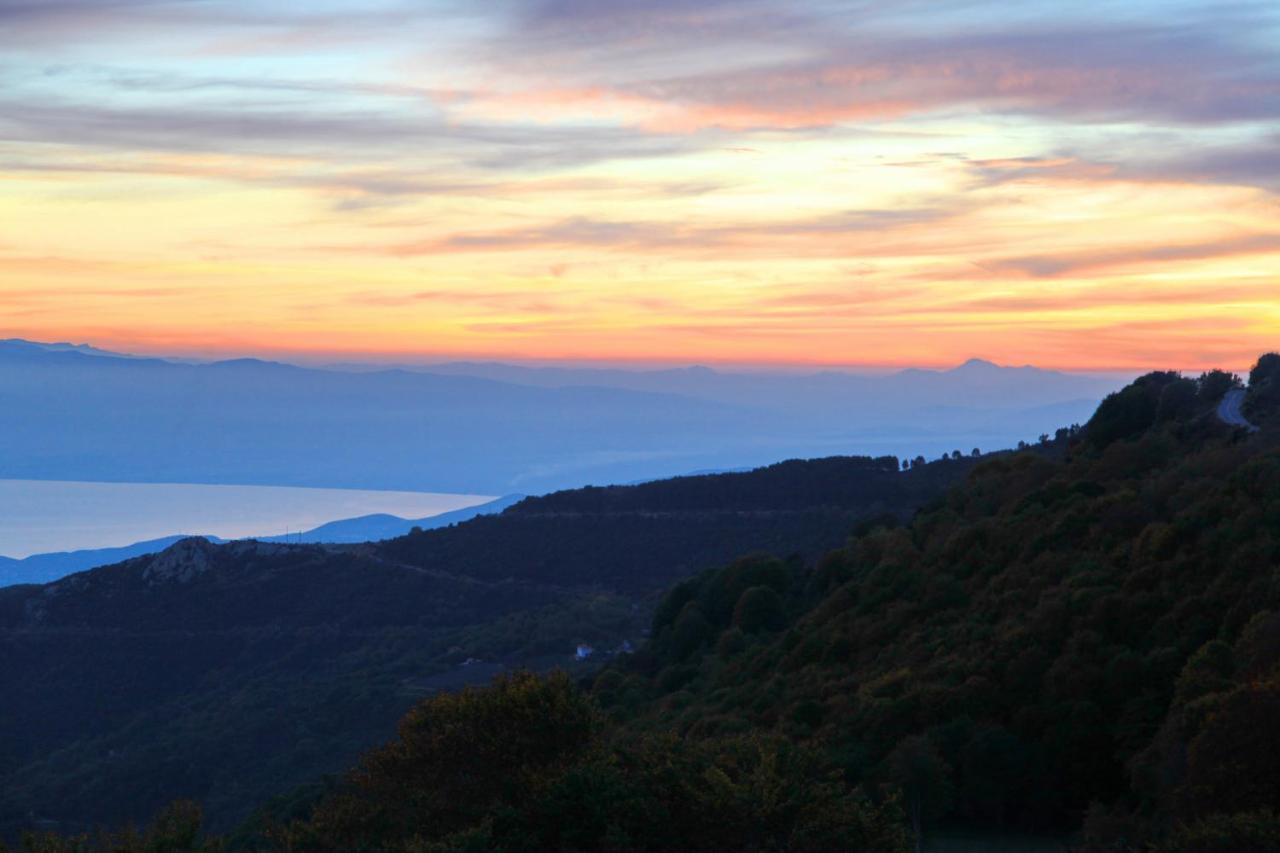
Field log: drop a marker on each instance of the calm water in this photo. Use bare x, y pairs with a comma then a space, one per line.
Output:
39, 516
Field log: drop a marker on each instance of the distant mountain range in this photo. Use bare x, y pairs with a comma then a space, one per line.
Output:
44, 568
17, 345
76, 412
976, 382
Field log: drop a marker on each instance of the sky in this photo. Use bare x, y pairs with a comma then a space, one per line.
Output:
1091, 185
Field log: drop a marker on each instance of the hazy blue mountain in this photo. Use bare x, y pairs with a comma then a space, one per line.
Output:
379, 526
72, 415
17, 344
46, 568
976, 383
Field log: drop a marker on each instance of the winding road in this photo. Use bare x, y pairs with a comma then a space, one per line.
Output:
1229, 410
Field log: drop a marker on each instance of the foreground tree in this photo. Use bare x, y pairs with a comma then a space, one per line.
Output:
175, 830
916, 768
529, 764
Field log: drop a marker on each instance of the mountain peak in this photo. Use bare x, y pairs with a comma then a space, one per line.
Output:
61, 346
180, 562
978, 364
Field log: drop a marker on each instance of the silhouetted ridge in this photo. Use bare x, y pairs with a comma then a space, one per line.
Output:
1156, 398
793, 484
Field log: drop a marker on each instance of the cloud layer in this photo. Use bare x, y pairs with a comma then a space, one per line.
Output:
753, 180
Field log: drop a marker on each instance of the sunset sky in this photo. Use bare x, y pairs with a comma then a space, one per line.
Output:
1080, 185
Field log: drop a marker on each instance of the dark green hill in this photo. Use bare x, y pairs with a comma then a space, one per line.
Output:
1083, 641
1083, 638
795, 484
228, 674
1097, 636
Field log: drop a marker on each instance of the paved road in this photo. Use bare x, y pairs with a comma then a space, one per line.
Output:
1229, 410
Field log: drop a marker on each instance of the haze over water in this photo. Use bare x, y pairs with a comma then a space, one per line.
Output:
39, 516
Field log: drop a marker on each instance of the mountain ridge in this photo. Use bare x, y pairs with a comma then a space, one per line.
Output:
269, 423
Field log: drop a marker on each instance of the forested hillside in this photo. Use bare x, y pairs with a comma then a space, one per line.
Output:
228, 674
1095, 640
1081, 641
1084, 646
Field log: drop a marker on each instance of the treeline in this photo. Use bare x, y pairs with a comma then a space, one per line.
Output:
792, 485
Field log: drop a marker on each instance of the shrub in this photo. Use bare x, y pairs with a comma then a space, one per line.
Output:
759, 609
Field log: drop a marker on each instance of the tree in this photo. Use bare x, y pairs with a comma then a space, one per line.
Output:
1256, 831
690, 632
1264, 386
1233, 764
919, 771
457, 757
1211, 386
1178, 399
1267, 369
975, 452
763, 793
993, 765
174, 830
759, 609
448, 785
1129, 411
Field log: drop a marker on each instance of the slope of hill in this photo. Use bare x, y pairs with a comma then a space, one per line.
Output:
45, 568
375, 528
1083, 641
1054, 642
231, 673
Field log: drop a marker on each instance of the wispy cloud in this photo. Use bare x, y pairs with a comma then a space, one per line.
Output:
777, 236
758, 177
814, 65
1053, 266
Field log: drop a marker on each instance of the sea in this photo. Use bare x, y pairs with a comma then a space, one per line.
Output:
43, 516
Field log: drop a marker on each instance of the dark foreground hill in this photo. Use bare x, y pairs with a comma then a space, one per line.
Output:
1091, 642
1084, 640
1086, 643
231, 673
1083, 644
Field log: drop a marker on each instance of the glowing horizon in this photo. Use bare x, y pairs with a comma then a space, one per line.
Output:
730, 183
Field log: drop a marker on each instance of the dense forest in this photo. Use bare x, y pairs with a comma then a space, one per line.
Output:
1091, 642
1082, 640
